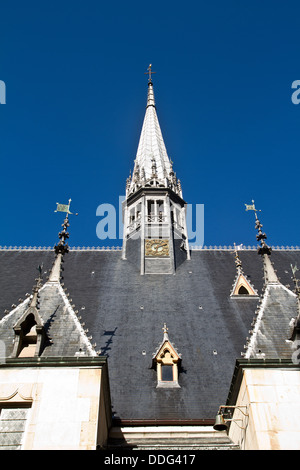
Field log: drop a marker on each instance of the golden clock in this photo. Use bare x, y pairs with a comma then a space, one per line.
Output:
156, 247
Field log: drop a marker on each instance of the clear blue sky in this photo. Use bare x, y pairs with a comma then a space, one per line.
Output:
75, 102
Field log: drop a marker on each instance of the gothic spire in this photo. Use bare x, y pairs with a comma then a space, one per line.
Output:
264, 250
151, 147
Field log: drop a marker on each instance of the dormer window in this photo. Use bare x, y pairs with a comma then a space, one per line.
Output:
167, 374
242, 287
166, 361
243, 291
28, 341
30, 335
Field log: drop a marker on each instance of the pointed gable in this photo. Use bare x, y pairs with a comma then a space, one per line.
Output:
241, 286
46, 323
166, 360
270, 336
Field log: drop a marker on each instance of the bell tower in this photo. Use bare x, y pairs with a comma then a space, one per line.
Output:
154, 212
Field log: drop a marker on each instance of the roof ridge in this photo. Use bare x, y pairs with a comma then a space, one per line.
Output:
119, 248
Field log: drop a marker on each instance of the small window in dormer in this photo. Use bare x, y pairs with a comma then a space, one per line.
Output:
243, 291
166, 361
30, 335
167, 373
242, 286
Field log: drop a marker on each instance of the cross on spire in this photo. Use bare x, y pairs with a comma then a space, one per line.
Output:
149, 72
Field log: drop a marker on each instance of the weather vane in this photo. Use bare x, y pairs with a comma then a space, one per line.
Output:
64, 208
149, 72
251, 207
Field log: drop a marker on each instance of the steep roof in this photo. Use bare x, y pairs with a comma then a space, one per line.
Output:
124, 312
65, 335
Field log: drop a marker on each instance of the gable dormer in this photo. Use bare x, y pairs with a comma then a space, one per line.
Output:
166, 361
242, 287
30, 333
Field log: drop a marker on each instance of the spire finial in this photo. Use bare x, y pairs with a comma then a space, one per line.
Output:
150, 97
36, 287
165, 330
261, 237
62, 247
238, 261
264, 250
149, 73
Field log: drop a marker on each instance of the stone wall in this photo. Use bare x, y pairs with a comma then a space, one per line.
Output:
63, 405
272, 397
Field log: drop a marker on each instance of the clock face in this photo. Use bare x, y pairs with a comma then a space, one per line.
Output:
157, 247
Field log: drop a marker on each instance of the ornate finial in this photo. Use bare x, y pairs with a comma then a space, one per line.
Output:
39, 279
238, 262
36, 288
261, 237
149, 73
165, 330
62, 247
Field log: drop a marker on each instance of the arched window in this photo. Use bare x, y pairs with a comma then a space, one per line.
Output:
243, 291
28, 337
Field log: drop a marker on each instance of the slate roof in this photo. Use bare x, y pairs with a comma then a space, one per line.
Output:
273, 327
65, 336
125, 313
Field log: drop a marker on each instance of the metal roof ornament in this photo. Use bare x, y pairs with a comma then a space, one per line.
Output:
62, 247
238, 261
149, 73
263, 250
260, 237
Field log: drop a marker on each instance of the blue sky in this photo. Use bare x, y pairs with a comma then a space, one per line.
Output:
75, 102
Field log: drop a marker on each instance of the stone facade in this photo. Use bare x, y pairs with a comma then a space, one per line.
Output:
269, 397
68, 405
